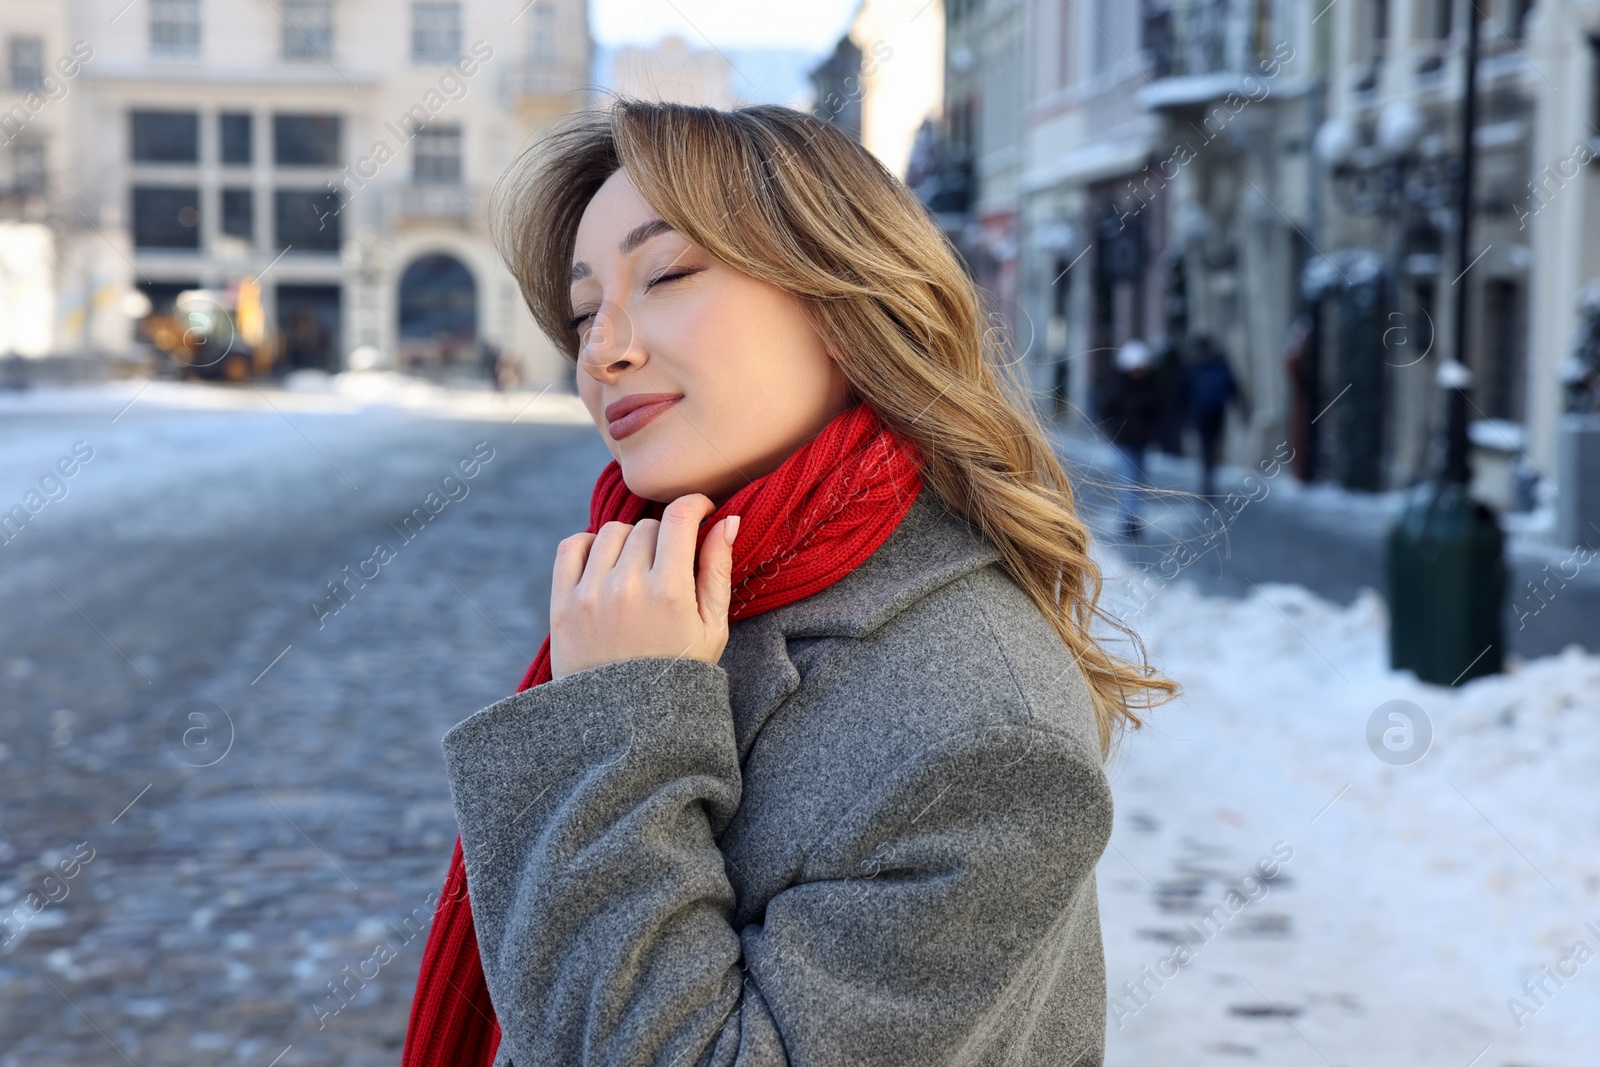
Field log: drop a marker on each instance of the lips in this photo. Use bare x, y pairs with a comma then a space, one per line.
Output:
627, 415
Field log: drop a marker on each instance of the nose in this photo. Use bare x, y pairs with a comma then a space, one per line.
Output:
609, 348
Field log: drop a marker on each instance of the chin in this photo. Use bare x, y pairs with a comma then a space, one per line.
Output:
644, 478
665, 482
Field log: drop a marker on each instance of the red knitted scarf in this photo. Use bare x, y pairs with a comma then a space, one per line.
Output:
804, 526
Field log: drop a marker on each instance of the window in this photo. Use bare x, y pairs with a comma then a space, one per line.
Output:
235, 133
307, 29
1372, 42
438, 154
166, 216
27, 162
175, 27
1502, 362
1065, 40
309, 325
27, 63
1434, 20
435, 31
306, 220
239, 214
542, 46
1441, 19
305, 140
1516, 16
1594, 83
166, 136
1102, 43
1155, 35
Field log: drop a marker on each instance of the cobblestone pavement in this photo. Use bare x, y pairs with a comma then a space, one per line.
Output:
209, 883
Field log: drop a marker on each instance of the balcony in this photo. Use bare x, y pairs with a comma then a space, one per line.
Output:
1192, 40
543, 77
1201, 51
440, 201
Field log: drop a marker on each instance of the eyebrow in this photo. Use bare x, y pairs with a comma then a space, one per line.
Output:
636, 237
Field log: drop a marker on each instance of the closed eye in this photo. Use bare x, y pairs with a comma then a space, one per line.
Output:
578, 320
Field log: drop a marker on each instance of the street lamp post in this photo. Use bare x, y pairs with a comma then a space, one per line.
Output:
1446, 552
1456, 467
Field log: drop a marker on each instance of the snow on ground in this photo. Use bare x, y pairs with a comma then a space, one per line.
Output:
1413, 905
147, 439
302, 390
1416, 900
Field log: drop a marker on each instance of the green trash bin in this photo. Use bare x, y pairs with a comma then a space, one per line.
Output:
1447, 584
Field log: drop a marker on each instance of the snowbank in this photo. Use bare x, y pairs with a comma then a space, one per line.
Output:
1420, 897
303, 390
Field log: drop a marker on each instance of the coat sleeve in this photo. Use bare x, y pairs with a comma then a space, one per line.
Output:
921, 926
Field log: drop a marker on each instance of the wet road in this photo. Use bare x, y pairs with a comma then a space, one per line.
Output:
247, 790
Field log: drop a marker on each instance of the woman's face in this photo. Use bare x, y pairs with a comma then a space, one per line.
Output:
744, 379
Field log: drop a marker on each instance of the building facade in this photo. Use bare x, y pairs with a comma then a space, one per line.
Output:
1167, 196
1561, 214
1233, 86
1093, 233
54, 291
1283, 179
985, 91
340, 156
1389, 154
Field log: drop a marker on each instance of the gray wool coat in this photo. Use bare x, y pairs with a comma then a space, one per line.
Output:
866, 836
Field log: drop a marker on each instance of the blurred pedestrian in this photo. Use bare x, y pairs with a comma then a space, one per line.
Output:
1166, 365
1297, 362
1209, 387
507, 371
1130, 413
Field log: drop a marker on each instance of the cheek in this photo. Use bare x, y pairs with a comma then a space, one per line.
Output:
589, 393
727, 343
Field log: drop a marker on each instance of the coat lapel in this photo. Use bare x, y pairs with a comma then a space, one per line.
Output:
931, 547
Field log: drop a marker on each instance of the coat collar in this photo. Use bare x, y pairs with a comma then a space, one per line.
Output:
931, 547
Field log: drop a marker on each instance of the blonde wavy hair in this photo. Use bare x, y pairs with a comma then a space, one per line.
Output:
791, 200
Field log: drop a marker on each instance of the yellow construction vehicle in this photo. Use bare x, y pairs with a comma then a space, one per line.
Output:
216, 334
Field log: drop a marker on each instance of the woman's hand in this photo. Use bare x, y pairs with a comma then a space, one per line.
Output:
631, 590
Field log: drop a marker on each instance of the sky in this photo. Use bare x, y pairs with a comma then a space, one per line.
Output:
761, 75
772, 45
811, 26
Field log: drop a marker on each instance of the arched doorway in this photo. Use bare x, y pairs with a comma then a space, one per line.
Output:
438, 312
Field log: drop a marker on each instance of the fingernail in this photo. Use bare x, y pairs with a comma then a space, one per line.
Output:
730, 529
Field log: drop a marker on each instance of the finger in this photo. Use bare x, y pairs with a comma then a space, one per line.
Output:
639, 553
571, 554
675, 544
606, 548
714, 582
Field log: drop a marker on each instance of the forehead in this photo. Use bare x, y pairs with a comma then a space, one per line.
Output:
616, 221
615, 208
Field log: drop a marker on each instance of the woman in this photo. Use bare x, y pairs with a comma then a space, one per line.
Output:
809, 768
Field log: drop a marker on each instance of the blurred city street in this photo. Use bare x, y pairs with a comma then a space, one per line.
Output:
1308, 296
245, 863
